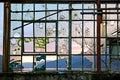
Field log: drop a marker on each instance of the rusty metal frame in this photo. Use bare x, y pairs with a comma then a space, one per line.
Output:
7, 27
6, 37
99, 21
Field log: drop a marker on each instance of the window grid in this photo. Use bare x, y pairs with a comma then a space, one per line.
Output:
70, 37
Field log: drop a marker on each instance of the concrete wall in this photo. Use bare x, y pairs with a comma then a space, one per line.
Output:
57, 76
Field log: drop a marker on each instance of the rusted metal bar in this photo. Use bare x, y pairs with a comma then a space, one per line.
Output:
100, 12
99, 20
38, 19
74, 10
6, 38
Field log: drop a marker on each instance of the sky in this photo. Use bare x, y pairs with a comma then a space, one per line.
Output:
1, 28
76, 48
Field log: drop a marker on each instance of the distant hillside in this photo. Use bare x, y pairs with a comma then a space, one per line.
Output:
0, 63
76, 63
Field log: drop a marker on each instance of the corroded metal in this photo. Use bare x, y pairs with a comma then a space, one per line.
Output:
99, 20
7, 28
6, 37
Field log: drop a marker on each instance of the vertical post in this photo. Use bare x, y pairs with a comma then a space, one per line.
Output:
70, 29
99, 20
6, 38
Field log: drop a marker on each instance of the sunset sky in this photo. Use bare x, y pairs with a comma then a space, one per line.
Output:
76, 48
1, 27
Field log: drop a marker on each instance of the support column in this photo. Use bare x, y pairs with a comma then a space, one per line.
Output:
6, 37
99, 20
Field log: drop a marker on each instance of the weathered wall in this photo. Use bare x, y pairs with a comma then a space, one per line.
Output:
57, 76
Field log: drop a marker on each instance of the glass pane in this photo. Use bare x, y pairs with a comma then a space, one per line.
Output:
115, 66
64, 15
51, 45
63, 46
88, 46
40, 44
76, 15
118, 28
52, 17
111, 5
51, 6
27, 63
63, 6
88, 6
50, 29
63, 29
15, 64
39, 6
15, 46
51, 62
16, 7
28, 45
28, 16
112, 16
95, 28
95, 63
103, 46
16, 16
76, 29
103, 5
39, 29
103, 29
39, 63
77, 63
28, 30
77, 6
88, 16
115, 50
104, 63
87, 62
62, 62
39, 15
88, 29
76, 46
16, 32
28, 7
112, 28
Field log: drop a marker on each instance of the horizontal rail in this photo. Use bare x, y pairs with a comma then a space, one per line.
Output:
66, 10
54, 1
100, 12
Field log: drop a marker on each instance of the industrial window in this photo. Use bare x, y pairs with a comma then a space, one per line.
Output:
62, 37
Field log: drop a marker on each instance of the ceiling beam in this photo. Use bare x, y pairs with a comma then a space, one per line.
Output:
56, 1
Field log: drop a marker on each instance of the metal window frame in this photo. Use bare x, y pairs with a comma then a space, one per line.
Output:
99, 16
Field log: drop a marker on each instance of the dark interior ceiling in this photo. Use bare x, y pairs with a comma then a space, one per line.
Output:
58, 1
